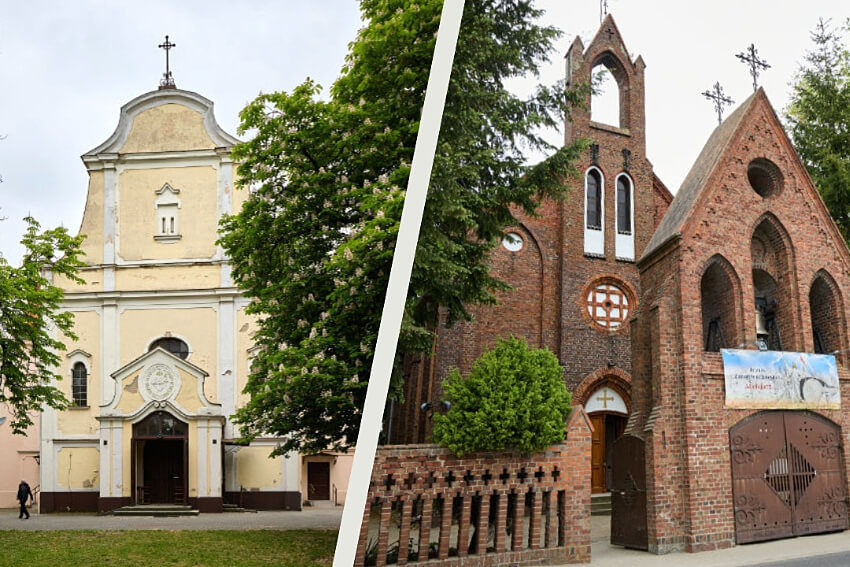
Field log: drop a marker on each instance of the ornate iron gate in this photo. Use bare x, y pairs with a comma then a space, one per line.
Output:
787, 476
628, 493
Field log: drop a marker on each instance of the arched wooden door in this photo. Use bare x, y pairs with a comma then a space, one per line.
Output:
787, 476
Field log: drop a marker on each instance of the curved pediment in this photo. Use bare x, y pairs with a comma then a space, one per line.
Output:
165, 121
159, 379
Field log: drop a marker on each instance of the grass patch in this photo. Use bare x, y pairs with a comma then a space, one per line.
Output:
290, 548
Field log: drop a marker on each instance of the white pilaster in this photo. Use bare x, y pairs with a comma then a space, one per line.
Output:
214, 434
110, 228
116, 451
226, 386
105, 442
109, 353
202, 457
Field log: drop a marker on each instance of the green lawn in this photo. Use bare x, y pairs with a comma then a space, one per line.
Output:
294, 548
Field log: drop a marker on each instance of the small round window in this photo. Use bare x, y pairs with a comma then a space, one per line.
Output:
512, 242
608, 305
764, 177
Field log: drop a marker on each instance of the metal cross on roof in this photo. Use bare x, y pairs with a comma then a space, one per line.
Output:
720, 100
750, 57
603, 9
167, 81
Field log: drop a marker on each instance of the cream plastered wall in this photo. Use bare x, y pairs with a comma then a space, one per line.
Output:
93, 279
197, 326
187, 398
78, 468
168, 277
167, 128
255, 470
197, 216
240, 194
81, 421
131, 400
246, 326
92, 225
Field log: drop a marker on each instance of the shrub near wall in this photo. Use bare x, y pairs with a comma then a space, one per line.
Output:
514, 399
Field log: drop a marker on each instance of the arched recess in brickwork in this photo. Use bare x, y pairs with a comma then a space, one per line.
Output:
825, 306
773, 277
520, 309
720, 292
608, 63
615, 378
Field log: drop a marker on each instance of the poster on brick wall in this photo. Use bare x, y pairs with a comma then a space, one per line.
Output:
780, 380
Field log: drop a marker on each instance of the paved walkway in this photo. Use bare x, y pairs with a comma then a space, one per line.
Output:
603, 553
309, 518
606, 555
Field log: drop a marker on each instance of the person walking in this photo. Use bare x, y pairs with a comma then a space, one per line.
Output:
24, 493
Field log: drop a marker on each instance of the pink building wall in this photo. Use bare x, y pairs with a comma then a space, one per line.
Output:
18, 459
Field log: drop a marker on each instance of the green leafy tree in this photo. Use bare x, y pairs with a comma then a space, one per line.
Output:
819, 119
313, 246
29, 317
513, 399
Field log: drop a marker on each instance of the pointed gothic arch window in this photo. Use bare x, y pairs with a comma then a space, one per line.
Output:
594, 206
625, 238
824, 306
717, 296
775, 302
609, 100
79, 385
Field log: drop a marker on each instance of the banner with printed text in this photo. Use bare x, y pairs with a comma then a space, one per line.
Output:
780, 380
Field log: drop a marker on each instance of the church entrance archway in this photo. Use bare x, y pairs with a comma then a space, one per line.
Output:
787, 476
160, 459
608, 414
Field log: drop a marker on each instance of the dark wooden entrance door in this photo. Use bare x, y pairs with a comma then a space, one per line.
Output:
607, 428
787, 476
163, 471
318, 481
628, 493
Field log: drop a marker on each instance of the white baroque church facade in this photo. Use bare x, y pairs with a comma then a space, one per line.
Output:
164, 343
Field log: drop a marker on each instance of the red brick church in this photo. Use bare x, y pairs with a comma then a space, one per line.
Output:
637, 293
573, 268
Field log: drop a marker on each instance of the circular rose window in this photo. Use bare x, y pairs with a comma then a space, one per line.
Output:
608, 305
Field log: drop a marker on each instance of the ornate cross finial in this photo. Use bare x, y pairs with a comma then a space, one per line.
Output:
167, 81
720, 100
603, 10
752, 59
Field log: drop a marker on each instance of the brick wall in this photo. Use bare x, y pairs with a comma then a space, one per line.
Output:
708, 268
427, 506
551, 274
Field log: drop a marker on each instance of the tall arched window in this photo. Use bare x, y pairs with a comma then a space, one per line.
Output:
624, 243
79, 385
594, 240
173, 345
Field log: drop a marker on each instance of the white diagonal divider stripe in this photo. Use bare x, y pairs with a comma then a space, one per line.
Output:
405, 250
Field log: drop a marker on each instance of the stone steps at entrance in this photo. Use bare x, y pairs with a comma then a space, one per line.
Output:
600, 504
156, 510
235, 508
